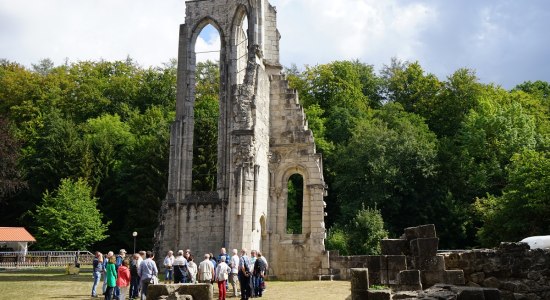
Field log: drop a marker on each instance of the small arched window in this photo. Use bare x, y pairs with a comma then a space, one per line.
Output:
295, 204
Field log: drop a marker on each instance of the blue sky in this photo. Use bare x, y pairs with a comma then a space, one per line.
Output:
505, 41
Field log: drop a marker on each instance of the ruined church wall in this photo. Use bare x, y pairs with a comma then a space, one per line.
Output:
200, 227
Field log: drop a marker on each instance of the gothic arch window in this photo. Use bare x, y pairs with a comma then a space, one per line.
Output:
241, 43
295, 204
206, 108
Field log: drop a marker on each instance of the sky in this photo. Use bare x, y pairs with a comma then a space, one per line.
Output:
505, 41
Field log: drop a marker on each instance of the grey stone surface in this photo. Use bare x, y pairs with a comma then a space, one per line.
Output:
394, 247
200, 291
379, 295
359, 283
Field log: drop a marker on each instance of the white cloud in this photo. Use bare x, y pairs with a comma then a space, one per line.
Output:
505, 41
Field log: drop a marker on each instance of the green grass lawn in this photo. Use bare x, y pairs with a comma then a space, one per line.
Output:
52, 283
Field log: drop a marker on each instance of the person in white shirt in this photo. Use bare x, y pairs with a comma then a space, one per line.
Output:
233, 276
168, 267
180, 268
192, 269
222, 274
206, 270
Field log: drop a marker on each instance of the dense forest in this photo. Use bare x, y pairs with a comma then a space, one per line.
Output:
84, 151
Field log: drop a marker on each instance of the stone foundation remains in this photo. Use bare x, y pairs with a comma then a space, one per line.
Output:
200, 291
517, 271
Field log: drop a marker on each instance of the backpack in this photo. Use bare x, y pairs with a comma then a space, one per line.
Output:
133, 269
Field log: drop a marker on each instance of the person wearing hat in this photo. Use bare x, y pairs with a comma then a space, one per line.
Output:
119, 259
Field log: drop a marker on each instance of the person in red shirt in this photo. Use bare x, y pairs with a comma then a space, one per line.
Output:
123, 279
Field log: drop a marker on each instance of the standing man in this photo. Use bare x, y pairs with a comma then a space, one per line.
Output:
180, 268
233, 276
134, 275
206, 270
98, 269
147, 270
244, 275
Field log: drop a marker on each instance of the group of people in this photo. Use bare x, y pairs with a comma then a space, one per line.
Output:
124, 275
248, 271
132, 275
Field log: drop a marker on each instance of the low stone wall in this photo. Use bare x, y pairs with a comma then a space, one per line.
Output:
187, 291
520, 273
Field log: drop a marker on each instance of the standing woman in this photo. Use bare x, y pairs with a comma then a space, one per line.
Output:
111, 276
222, 274
97, 269
123, 279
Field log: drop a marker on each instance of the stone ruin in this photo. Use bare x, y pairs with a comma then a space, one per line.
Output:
263, 140
412, 268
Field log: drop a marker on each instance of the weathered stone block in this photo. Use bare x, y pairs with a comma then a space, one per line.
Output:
201, 291
394, 247
429, 278
359, 283
359, 279
477, 277
409, 277
491, 294
423, 231
491, 282
396, 262
455, 277
469, 293
379, 295
424, 246
374, 263
430, 263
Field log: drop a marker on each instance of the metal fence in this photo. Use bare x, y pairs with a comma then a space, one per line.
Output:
44, 259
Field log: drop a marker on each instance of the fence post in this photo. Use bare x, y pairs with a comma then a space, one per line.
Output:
17, 260
48, 260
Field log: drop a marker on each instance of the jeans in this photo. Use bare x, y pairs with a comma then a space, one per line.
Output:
97, 277
169, 275
257, 280
134, 286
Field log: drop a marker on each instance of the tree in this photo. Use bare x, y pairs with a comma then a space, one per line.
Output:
10, 177
361, 236
69, 219
524, 206
389, 164
205, 138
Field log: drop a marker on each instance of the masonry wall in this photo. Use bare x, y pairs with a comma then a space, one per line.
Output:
517, 271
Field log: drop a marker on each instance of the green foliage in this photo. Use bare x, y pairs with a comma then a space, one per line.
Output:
10, 178
392, 172
361, 236
523, 208
68, 219
207, 112
337, 239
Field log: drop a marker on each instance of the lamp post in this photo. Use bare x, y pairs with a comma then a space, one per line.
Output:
134, 234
